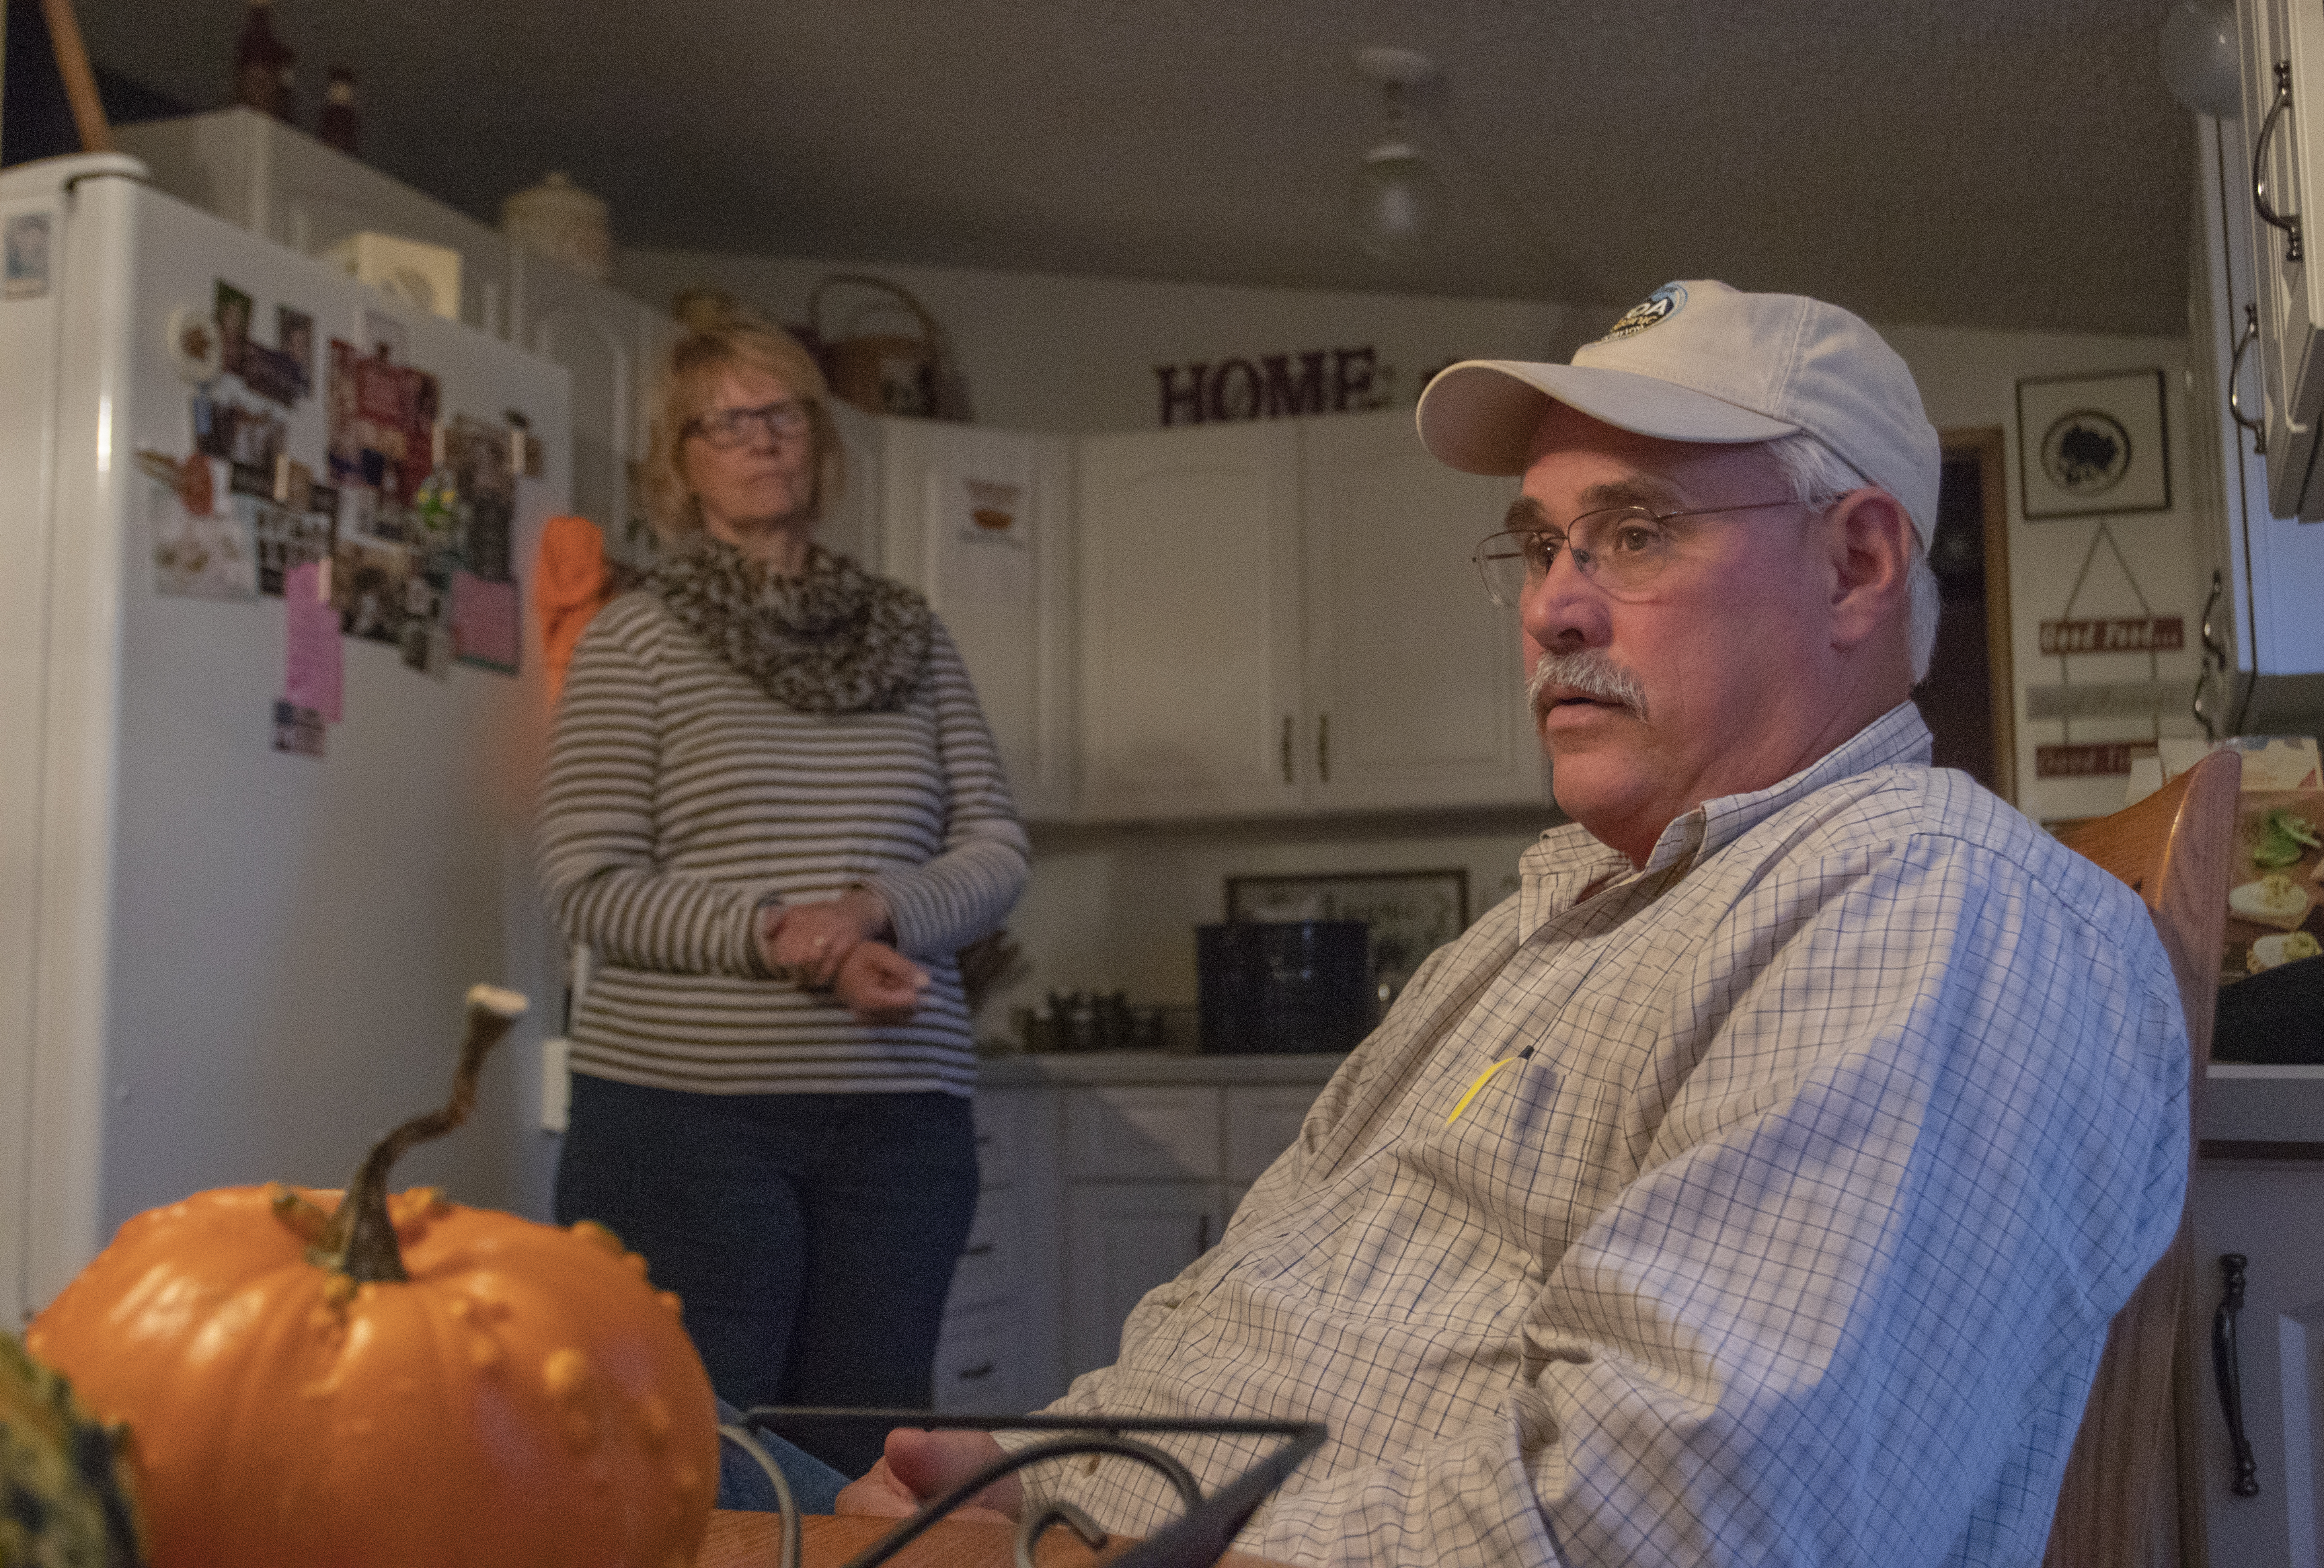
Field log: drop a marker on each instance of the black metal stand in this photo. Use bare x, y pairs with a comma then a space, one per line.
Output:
1194, 1540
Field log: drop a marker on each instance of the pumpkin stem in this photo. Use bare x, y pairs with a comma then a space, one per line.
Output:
360, 1241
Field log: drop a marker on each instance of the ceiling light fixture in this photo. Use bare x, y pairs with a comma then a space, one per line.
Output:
1396, 198
2199, 57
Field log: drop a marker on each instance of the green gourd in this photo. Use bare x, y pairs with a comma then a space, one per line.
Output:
66, 1497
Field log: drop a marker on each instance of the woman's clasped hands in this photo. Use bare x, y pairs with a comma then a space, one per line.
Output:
836, 947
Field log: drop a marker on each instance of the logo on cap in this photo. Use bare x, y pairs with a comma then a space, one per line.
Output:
1659, 305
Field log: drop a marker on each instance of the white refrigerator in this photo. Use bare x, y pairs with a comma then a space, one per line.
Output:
223, 961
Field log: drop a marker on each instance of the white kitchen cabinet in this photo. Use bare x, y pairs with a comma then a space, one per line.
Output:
2271, 565
2272, 1212
1189, 621
980, 521
1261, 1124
1123, 1167
1414, 682
254, 170
1123, 1239
613, 346
1134, 1133
987, 1271
977, 1364
1000, 1321
1282, 618
2273, 172
1152, 1173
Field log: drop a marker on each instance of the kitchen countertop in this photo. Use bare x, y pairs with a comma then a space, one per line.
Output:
1094, 1069
2246, 1104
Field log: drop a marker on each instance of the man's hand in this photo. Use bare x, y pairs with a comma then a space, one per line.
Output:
921, 1465
879, 984
812, 941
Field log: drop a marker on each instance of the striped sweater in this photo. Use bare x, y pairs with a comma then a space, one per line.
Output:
679, 797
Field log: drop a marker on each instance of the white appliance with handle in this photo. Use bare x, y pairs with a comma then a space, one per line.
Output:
221, 963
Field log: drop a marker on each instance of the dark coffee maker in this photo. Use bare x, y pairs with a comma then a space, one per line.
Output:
1294, 985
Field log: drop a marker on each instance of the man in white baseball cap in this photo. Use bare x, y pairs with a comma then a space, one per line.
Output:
1757, 1184
1789, 417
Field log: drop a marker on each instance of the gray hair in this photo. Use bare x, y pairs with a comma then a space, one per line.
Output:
1820, 476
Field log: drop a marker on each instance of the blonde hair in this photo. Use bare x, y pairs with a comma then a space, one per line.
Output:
721, 335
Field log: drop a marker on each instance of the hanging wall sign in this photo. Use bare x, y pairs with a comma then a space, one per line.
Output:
2125, 634
2088, 759
2121, 699
1274, 386
2068, 637
2091, 444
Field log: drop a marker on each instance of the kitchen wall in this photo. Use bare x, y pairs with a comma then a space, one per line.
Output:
1154, 884
1077, 354
1115, 907
1967, 379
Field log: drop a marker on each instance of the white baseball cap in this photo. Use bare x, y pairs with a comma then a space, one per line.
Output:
1699, 361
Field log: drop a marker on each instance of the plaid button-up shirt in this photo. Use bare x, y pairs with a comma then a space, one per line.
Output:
1824, 1146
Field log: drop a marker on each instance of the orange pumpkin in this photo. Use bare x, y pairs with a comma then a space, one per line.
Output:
342, 1383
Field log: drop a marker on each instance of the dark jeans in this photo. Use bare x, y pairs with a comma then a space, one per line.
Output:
742, 1484
811, 1237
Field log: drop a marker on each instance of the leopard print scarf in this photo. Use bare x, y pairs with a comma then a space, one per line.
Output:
835, 641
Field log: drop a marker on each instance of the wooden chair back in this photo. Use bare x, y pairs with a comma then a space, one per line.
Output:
2119, 1506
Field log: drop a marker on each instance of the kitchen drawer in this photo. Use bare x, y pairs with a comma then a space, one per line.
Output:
1124, 1134
1000, 1135
988, 1269
1261, 1123
976, 1364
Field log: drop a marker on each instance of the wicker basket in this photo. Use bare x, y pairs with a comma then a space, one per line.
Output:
889, 373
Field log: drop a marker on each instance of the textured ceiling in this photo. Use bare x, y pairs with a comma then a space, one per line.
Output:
2000, 163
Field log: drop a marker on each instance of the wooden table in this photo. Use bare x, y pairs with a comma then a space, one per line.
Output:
747, 1540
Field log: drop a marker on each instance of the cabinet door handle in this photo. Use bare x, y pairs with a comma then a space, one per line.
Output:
2211, 683
1287, 748
1323, 747
2227, 1370
1202, 1234
2258, 428
979, 1250
2289, 224
971, 1374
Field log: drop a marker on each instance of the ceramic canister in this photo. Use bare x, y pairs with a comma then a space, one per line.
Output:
560, 219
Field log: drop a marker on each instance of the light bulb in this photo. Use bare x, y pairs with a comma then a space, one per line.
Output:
1395, 201
2199, 57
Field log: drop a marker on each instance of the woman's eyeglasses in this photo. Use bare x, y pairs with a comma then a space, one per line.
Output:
728, 428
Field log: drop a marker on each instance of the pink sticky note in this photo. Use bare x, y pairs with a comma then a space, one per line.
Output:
485, 626
313, 666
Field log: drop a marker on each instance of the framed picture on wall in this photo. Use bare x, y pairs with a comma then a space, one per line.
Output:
2092, 444
1412, 914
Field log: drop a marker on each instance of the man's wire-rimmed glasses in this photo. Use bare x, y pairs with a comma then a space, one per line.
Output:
728, 428
1622, 549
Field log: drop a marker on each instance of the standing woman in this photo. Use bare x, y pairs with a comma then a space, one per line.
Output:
772, 813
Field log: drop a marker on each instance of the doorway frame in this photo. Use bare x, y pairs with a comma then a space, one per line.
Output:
1988, 447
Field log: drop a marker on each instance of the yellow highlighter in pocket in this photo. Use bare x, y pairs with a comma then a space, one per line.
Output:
1483, 1078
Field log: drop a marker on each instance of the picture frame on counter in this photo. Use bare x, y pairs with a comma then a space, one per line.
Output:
1412, 913
2091, 446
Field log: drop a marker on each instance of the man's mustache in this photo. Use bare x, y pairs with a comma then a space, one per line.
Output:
1593, 675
